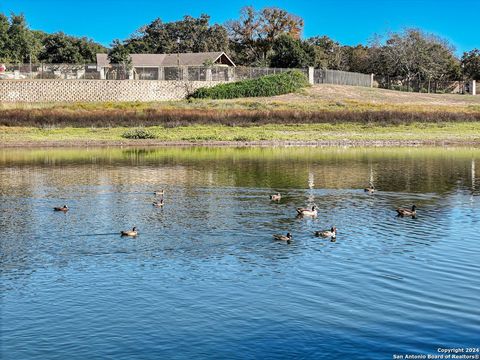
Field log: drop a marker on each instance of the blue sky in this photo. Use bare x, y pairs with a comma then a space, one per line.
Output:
347, 21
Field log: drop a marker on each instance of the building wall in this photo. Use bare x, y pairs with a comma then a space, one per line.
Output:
96, 90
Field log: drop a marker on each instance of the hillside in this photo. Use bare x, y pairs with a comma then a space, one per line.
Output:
320, 115
326, 92
318, 97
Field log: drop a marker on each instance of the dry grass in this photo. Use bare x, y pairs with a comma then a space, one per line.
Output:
318, 104
180, 117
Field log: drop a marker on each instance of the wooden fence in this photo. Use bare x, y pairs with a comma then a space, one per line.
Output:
338, 77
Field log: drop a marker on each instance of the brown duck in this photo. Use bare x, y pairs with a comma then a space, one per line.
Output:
286, 238
407, 212
63, 208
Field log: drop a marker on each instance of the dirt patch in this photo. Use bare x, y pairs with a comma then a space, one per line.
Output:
341, 93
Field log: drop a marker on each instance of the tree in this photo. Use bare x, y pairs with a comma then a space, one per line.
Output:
329, 54
413, 54
193, 35
252, 36
291, 53
22, 45
4, 48
471, 64
119, 54
358, 59
244, 34
275, 22
19, 44
59, 48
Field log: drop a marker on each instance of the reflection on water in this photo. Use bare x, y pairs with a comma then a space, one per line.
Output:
204, 278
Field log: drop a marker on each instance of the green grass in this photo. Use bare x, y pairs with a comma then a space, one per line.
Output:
139, 134
455, 132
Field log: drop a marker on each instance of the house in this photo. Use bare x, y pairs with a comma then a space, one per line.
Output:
182, 66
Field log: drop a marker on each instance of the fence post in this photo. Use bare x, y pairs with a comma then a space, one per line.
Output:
473, 87
208, 75
311, 75
371, 80
184, 73
231, 74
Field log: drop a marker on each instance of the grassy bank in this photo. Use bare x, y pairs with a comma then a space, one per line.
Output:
455, 133
321, 114
318, 104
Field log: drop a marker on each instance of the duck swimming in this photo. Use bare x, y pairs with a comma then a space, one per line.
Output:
132, 232
407, 212
307, 212
276, 197
370, 189
327, 233
158, 203
286, 238
63, 208
159, 192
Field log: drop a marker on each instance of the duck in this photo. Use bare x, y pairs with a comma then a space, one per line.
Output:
287, 238
370, 189
327, 233
407, 212
159, 192
132, 232
276, 197
63, 208
158, 203
307, 212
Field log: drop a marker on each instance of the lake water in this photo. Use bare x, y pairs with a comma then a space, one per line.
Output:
204, 278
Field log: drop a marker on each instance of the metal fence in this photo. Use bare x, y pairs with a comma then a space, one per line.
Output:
122, 72
323, 76
50, 71
243, 72
221, 73
422, 86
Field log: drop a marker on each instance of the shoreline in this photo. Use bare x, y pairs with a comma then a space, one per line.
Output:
264, 143
320, 116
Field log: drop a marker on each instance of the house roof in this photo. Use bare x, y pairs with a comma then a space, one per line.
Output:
184, 59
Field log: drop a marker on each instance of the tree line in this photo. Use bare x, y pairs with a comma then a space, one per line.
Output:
270, 37
19, 44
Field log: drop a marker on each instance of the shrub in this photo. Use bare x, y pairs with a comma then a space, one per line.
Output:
269, 85
139, 134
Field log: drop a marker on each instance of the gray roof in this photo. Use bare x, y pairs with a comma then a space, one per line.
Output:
185, 59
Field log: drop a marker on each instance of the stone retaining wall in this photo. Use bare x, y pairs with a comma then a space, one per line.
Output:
96, 90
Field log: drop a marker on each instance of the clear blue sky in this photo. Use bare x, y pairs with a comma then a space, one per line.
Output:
349, 21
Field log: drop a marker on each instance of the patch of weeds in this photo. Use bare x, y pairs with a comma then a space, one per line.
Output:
47, 127
241, 138
200, 138
139, 134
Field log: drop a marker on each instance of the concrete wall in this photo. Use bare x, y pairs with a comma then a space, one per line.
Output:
96, 90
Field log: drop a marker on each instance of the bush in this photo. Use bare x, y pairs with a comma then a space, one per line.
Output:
139, 134
269, 85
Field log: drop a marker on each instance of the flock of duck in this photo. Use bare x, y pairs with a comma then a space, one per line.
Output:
332, 232
301, 212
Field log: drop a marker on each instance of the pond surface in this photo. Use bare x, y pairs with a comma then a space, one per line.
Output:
205, 279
